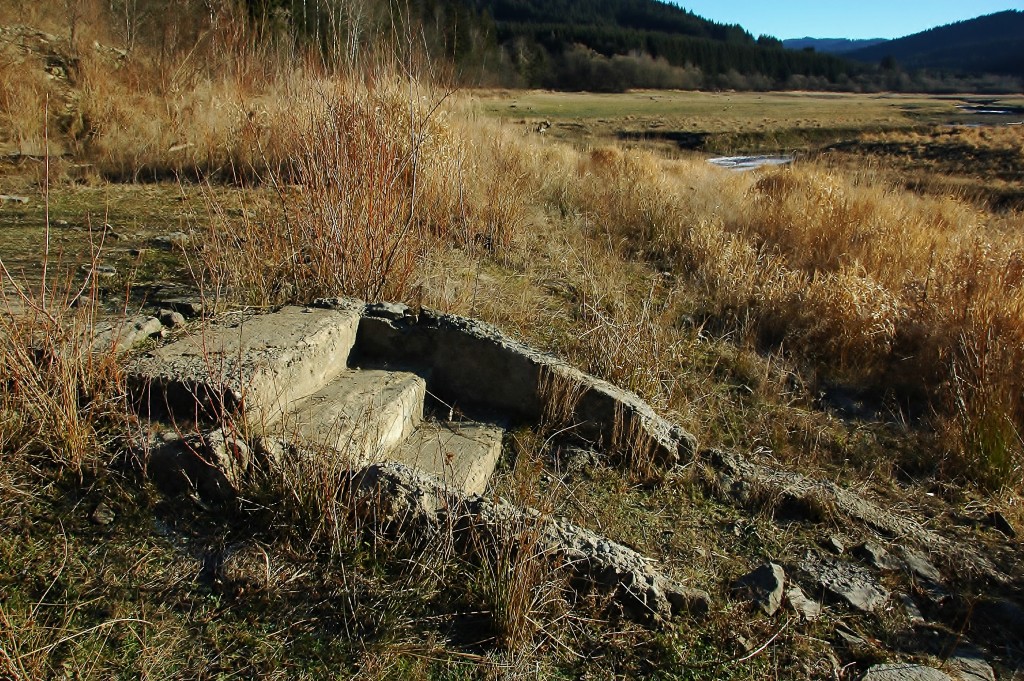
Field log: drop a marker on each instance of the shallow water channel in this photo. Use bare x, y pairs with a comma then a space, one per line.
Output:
745, 163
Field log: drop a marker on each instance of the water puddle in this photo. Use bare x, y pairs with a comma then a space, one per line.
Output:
741, 164
991, 110
991, 114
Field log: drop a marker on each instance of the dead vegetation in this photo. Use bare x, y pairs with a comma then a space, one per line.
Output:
980, 165
730, 302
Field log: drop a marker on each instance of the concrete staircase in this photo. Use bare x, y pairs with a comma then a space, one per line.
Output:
286, 375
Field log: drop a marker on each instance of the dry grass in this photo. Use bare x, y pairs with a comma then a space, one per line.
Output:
63, 394
512, 578
378, 178
713, 295
513, 582
63, 419
22, 104
860, 282
352, 213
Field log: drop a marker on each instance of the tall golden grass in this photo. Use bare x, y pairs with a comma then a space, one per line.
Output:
865, 283
375, 177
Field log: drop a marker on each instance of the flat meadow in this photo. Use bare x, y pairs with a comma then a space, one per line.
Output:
733, 121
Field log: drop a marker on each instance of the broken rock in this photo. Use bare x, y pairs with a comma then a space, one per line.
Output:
189, 307
171, 241
836, 544
738, 475
392, 311
172, 318
920, 566
125, 335
102, 515
968, 663
211, 464
808, 609
849, 582
765, 585
647, 594
877, 556
911, 610
1001, 523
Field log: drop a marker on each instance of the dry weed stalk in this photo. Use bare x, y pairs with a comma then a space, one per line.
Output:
513, 577
62, 388
348, 217
560, 395
515, 581
63, 392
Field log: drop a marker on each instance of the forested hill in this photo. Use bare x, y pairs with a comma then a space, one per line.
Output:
830, 45
638, 15
990, 44
614, 44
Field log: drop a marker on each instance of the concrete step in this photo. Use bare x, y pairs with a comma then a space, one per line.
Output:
363, 414
253, 365
462, 455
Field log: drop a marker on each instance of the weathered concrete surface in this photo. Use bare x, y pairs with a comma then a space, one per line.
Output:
286, 374
363, 414
904, 672
460, 455
472, 365
256, 365
395, 497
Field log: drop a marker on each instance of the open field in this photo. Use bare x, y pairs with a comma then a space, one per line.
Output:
848, 320
935, 144
729, 122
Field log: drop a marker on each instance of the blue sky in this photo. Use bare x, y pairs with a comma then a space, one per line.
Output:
843, 18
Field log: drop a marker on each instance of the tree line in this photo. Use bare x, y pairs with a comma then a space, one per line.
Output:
600, 45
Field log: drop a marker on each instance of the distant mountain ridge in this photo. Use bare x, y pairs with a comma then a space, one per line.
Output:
993, 43
831, 45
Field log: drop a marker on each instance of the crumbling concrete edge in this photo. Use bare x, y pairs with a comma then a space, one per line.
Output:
470, 362
393, 498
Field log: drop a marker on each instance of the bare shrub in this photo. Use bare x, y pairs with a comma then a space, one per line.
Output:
346, 217
62, 393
